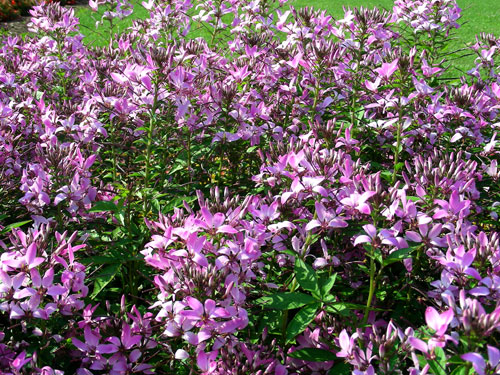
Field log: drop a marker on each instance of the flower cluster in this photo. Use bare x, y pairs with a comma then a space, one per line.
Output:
291, 194
40, 280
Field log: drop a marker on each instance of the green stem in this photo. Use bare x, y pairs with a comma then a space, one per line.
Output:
189, 156
353, 112
149, 144
221, 155
373, 282
60, 45
212, 40
316, 95
359, 54
284, 321
308, 240
398, 143
113, 150
216, 28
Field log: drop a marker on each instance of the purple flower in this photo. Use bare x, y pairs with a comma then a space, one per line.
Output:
438, 322
480, 365
358, 201
326, 219
203, 313
455, 207
384, 237
387, 69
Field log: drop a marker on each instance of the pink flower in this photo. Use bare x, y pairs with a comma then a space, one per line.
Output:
91, 341
326, 219
455, 207
385, 236
19, 362
358, 201
479, 363
373, 86
206, 361
346, 344
307, 184
419, 345
438, 322
203, 313
387, 69
215, 223
194, 246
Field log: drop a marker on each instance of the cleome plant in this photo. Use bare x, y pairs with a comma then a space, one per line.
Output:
292, 194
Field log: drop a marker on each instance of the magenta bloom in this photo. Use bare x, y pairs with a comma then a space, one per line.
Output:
358, 201
203, 313
480, 364
326, 219
387, 69
384, 236
214, 223
438, 322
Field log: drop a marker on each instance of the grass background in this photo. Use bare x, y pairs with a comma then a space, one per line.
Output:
477, 16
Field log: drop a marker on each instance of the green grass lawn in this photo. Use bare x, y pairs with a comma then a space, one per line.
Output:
478, 16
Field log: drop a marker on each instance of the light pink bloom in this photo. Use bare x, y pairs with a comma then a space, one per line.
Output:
387, 69
358, 201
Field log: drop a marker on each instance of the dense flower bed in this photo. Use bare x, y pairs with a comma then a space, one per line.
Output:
293, 194
13, 9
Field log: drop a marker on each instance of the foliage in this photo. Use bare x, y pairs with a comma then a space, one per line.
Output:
294, 194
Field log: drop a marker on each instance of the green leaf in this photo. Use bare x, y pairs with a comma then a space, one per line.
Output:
386, 175
455, 359
340, 369
412, 198
301, 320
272, 319
381, 294
100, 259
363, 268
343, 308
440, 356
327, 284
104, 206
398, 166
104, 278
438, 365
9, 227
306, 276
286, 301
338, 308
377, 254
436, 368
120, 217
398, 255
252, 149
289, 252
313, 355
462, 370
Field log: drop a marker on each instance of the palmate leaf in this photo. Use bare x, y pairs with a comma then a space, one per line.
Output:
344, 308
306, 276
438, 365
104, 278
399, 255
327, 284
301, 320
9, 227
104, 206
286, 301
313, 355
341, 368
